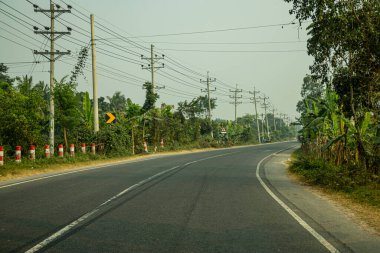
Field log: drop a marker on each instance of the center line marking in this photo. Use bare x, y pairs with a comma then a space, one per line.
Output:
86, 216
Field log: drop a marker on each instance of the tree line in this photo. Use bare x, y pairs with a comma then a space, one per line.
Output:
340, 108
25, 110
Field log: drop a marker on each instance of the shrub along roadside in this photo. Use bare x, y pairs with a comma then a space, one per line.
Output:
348, 178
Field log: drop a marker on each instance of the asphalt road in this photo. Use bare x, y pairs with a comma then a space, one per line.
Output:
200, 202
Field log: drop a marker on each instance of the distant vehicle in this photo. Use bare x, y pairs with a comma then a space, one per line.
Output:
266, 140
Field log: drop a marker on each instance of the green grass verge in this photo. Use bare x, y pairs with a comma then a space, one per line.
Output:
349, 179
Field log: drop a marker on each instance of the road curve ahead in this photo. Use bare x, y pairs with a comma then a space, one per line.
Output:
201, 202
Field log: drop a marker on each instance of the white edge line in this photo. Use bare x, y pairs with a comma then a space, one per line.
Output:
303, 223
84, 217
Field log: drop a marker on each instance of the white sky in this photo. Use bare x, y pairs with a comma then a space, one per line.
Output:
277, 74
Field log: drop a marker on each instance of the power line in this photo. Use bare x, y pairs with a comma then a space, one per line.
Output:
229, 43
22, 14
235, 97
23, 39
26, 63
235, 51
214, 31
123, 38
16, 43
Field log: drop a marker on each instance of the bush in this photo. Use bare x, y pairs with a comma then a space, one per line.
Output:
348, 178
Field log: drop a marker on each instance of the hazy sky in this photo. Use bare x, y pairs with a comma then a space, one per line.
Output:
247, 57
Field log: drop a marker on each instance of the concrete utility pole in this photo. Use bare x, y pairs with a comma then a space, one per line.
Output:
52, 35
151, 66
94, 79
262, 124
208, 81
274, 119
265, 105
236, 97
254, 99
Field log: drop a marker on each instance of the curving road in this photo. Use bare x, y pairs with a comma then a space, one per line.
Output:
212, 201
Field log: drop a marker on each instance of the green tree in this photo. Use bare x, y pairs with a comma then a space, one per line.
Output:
5, 80
150, 97
117, 102
23, 114
67, 113
345, 42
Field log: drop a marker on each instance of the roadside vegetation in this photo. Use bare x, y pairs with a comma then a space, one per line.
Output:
24, 114
340, 108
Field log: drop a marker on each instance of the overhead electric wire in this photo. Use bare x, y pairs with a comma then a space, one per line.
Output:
16, 43
213, 31
33, 67
22, 14
121, 71
105, 29
121, 48
19, 37
177, 79
100, 18
62, 21
101, 74
117, 56
102, 27
235, 51
27, 63
179, 72
124, 82
191, 78
103, 69
229, 43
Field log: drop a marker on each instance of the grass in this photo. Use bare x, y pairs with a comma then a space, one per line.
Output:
350, 180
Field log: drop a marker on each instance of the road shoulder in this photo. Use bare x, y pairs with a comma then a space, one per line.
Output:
320, 212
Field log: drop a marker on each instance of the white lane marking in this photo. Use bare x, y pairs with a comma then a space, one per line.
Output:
75, 171
306, 226
84, 217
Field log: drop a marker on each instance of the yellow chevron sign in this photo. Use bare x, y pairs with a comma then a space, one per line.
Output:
111, 117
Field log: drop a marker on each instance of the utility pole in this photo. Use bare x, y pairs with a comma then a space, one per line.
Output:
208, 81
265, 105
94, 80
254, 99
262, 124
236, 97
52, 35
274, 119
151, 66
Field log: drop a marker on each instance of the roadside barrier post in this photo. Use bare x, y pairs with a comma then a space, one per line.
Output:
47, 151
72, 150
83, 148
18, 154
60, 150
1, 155
32, 152
93, 148
162, 143
145, 147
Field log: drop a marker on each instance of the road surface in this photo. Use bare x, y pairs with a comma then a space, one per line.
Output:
213, 201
